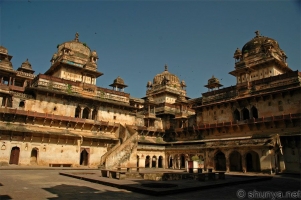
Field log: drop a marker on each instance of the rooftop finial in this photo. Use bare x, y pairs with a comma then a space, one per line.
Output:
257, 33
165, 67
76, 36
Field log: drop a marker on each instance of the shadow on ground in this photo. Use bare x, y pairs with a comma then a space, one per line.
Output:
82, 192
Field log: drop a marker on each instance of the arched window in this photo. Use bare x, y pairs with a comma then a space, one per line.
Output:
86, 113
236, 115
245, 114
254, 112
77, 112
22, 104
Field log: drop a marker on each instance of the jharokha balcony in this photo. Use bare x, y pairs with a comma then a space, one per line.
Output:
12, 115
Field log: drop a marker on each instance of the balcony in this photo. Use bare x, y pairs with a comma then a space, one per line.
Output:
150, 115
250, 121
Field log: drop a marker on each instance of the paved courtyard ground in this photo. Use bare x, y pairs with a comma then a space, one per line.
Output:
48, 184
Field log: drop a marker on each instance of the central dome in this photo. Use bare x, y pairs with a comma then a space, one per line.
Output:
257, 44
166, 75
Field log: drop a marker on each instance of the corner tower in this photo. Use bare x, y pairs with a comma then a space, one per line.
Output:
259, 58
74, 61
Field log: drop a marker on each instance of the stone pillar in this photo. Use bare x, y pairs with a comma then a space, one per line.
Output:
91, 113
227, 162
81, 112
157, 163
243, 162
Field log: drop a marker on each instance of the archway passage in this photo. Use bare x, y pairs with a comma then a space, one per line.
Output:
245, 114
147, 162
154, 161
84, 157
14, 156
220, 162
252, 161
34, 156
182, 161
235, 161
160, 162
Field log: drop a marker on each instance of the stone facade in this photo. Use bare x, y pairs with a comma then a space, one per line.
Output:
61, 118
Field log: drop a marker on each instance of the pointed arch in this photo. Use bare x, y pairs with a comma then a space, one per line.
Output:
236, 115
245, 114
86, 113
254, 112
77, 112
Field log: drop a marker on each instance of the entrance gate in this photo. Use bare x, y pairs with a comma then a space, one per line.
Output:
14, 155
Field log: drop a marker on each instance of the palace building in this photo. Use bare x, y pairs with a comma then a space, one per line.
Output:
62, 118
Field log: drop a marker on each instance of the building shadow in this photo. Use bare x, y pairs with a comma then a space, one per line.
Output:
5, 197
83, 192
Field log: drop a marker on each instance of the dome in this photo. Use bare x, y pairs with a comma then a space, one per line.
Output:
119, 80
3, 50
74, 48
94, 54
119, 83
167, 76
257, 44
26, 65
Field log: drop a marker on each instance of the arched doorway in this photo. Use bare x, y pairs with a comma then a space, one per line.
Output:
170, 163
245, 114
84, 157
34, 156
154, 162
86, 113
182, 161
220, 161
235, 161
14, 156
252, 161
77, 112
94, 114
160, 162
254, 112
236, 115
147, 162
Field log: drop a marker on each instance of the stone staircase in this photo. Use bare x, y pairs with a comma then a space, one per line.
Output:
120, 155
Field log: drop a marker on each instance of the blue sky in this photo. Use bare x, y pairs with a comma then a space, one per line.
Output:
135, 39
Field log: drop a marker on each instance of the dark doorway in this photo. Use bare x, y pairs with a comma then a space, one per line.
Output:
160, 162
34, 156
86, 113
253, 163
84, 157
254, 112
182, 161
236, 115
220, 162
137, 161
77, 112
245, 114
235, 161
94, 114
147, 161
170, 163
14, 156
